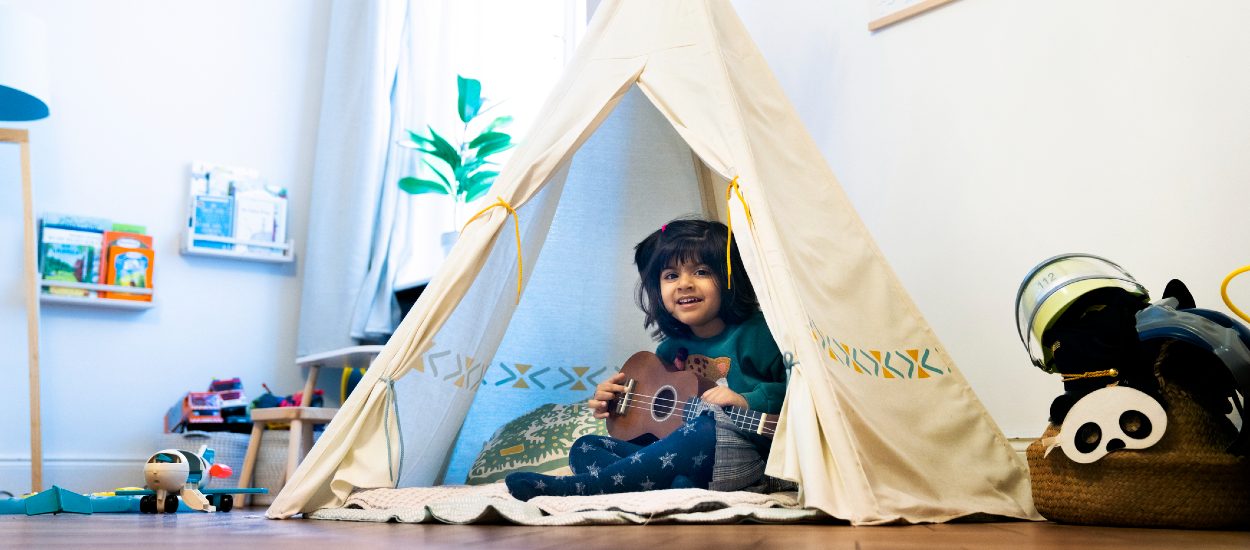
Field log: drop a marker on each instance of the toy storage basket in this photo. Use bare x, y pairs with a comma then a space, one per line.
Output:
1187, 480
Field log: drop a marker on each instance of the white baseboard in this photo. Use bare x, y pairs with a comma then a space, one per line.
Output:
78, 474
1020, 444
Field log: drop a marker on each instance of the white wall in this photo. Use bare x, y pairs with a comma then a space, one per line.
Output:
983, 137
140, 89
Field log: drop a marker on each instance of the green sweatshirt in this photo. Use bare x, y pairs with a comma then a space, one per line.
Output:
744, 354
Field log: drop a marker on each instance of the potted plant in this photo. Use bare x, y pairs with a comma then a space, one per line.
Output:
462, 166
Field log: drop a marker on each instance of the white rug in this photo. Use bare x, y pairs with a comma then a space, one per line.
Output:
462, 504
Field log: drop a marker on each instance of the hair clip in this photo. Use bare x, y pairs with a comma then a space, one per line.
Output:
663, 227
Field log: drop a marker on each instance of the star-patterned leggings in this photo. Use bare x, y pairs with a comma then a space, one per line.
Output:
605, 465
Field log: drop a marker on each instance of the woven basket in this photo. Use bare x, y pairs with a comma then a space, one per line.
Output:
1186, 480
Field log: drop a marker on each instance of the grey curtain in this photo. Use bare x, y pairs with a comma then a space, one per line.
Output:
351, 205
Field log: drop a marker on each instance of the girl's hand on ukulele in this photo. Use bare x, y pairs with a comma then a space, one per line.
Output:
606, 391
725, 397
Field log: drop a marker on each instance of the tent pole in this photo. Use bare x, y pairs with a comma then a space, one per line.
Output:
707, 189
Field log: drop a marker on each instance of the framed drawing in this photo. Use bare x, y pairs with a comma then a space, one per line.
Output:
888, 12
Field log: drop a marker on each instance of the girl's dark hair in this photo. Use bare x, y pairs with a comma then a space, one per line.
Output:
698, 241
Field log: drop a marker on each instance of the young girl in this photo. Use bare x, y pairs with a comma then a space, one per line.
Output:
702, 322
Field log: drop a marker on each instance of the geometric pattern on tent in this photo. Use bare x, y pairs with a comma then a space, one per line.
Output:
897, 364
522, 376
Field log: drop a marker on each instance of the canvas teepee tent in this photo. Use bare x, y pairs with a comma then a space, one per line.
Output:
878, 424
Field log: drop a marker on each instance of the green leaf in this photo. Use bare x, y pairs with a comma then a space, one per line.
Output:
477, 191
484, 176
494, 147
499, 122
462, 178
418, 137
444, 150
446, 184
469, 99
478, 184
489, 137
416, 141
419, 186
473, 164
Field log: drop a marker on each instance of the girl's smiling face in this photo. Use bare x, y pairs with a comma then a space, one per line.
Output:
691, 294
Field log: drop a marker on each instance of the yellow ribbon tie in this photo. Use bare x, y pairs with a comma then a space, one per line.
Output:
516, 224
730, 191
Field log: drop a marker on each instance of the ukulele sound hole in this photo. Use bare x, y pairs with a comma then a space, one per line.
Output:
662, 406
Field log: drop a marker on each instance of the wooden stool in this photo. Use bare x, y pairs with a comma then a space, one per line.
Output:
302, 420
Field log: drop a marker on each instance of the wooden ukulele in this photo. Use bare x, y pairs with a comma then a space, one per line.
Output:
659, 399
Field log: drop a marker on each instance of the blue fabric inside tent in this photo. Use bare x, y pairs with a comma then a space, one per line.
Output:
577, 321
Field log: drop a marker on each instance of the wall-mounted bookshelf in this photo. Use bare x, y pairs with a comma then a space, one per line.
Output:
226, 247
96, 300
95, 262
233, 213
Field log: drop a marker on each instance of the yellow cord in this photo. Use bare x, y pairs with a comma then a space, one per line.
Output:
516, 223
1224, 292
1112, 373
729, 193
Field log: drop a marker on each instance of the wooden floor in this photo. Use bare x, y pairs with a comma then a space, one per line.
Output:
248, 529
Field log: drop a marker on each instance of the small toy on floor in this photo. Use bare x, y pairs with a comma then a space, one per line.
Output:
171, 473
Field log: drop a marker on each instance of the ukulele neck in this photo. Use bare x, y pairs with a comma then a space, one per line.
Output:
745, 419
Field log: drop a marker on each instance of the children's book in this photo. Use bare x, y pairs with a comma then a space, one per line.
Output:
128, 239
130, 267
212, 216
212, 202
70, 250
260, 215
129, 261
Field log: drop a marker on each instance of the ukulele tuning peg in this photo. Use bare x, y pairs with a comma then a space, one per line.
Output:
622, 403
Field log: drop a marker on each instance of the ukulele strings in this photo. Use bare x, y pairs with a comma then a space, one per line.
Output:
640, 398
672, 403
745, 422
